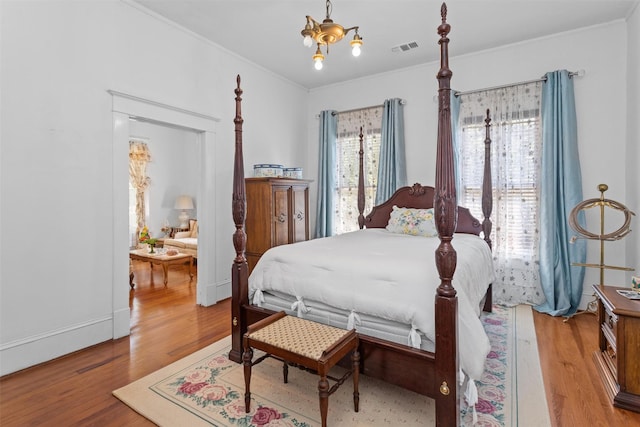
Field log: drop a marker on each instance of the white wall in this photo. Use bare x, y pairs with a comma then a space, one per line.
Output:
57, 197
632, 163
600, 104
173, 171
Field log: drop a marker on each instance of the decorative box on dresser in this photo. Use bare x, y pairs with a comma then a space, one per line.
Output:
618, 358
277, 214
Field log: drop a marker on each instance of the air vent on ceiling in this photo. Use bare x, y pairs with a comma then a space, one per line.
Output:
404, 47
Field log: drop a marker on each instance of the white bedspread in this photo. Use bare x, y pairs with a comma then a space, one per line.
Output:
392, 276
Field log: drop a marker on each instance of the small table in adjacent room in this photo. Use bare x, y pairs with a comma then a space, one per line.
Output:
162, 259
618, 357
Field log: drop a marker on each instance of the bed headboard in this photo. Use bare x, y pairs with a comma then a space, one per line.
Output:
418, 197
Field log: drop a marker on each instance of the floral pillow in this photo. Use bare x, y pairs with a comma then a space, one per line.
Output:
416, 222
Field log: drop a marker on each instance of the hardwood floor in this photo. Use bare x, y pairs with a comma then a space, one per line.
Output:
75, 390
167, 325
575, 393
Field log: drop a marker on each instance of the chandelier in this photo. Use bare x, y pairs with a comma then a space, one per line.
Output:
326, 33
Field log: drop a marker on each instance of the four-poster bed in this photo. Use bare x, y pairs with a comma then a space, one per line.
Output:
432, 369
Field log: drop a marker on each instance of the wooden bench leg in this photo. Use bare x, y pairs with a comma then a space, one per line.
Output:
285, 372
323, 393
355, 359
247, 356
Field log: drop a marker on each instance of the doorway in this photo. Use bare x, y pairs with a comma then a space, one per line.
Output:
125, 108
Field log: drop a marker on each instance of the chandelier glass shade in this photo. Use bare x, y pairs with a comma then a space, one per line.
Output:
327, 33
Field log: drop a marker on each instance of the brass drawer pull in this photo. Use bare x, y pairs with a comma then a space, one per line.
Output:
444, 388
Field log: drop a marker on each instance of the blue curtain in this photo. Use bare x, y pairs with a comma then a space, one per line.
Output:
326, 167
560, 192
455, 115
392, 166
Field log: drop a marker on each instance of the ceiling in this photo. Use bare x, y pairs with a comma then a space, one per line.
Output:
267, 33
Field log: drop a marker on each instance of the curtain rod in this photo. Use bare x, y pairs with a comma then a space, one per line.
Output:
578, 73
402, 102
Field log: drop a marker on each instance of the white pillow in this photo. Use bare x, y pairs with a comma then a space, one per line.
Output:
416, 222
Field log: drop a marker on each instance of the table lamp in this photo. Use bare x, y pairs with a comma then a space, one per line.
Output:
183, 203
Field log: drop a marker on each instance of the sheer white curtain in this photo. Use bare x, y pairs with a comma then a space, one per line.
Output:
515, 163
347, 164
139, 156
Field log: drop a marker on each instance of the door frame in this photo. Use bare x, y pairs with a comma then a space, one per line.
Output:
124, 108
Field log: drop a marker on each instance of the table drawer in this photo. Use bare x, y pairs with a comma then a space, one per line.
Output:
610, 325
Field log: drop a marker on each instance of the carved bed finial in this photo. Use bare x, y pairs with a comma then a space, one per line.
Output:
238, 92
443, 30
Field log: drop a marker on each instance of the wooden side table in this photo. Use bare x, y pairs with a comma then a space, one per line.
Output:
306, 344
618, 357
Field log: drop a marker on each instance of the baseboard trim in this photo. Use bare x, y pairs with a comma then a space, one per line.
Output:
121, 323
214, 292
223, 290
30, 351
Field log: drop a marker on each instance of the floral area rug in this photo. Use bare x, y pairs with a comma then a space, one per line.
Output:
495, 385
207, 389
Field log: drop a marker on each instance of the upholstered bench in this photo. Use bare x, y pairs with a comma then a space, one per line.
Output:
306, 344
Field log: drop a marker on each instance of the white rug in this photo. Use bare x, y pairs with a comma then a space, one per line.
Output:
206, 389
529, 401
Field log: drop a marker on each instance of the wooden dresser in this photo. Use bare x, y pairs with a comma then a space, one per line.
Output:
277, 214
618, 358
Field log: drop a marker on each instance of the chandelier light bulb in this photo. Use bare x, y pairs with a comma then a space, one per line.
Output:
317, 59
307, 41
355, 45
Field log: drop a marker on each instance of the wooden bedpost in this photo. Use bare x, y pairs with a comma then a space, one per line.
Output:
445, 209
487, 201
361, 182
487, 186
239, 270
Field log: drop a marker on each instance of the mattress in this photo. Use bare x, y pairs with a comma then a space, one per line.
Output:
365, 324
387, 279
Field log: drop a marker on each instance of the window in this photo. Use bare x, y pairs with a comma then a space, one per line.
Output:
519, 164
516, 151
139, 156
347, 164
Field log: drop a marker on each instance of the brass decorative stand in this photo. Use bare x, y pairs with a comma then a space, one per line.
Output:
602, 236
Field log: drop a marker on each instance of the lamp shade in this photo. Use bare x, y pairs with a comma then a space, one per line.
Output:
184, 202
